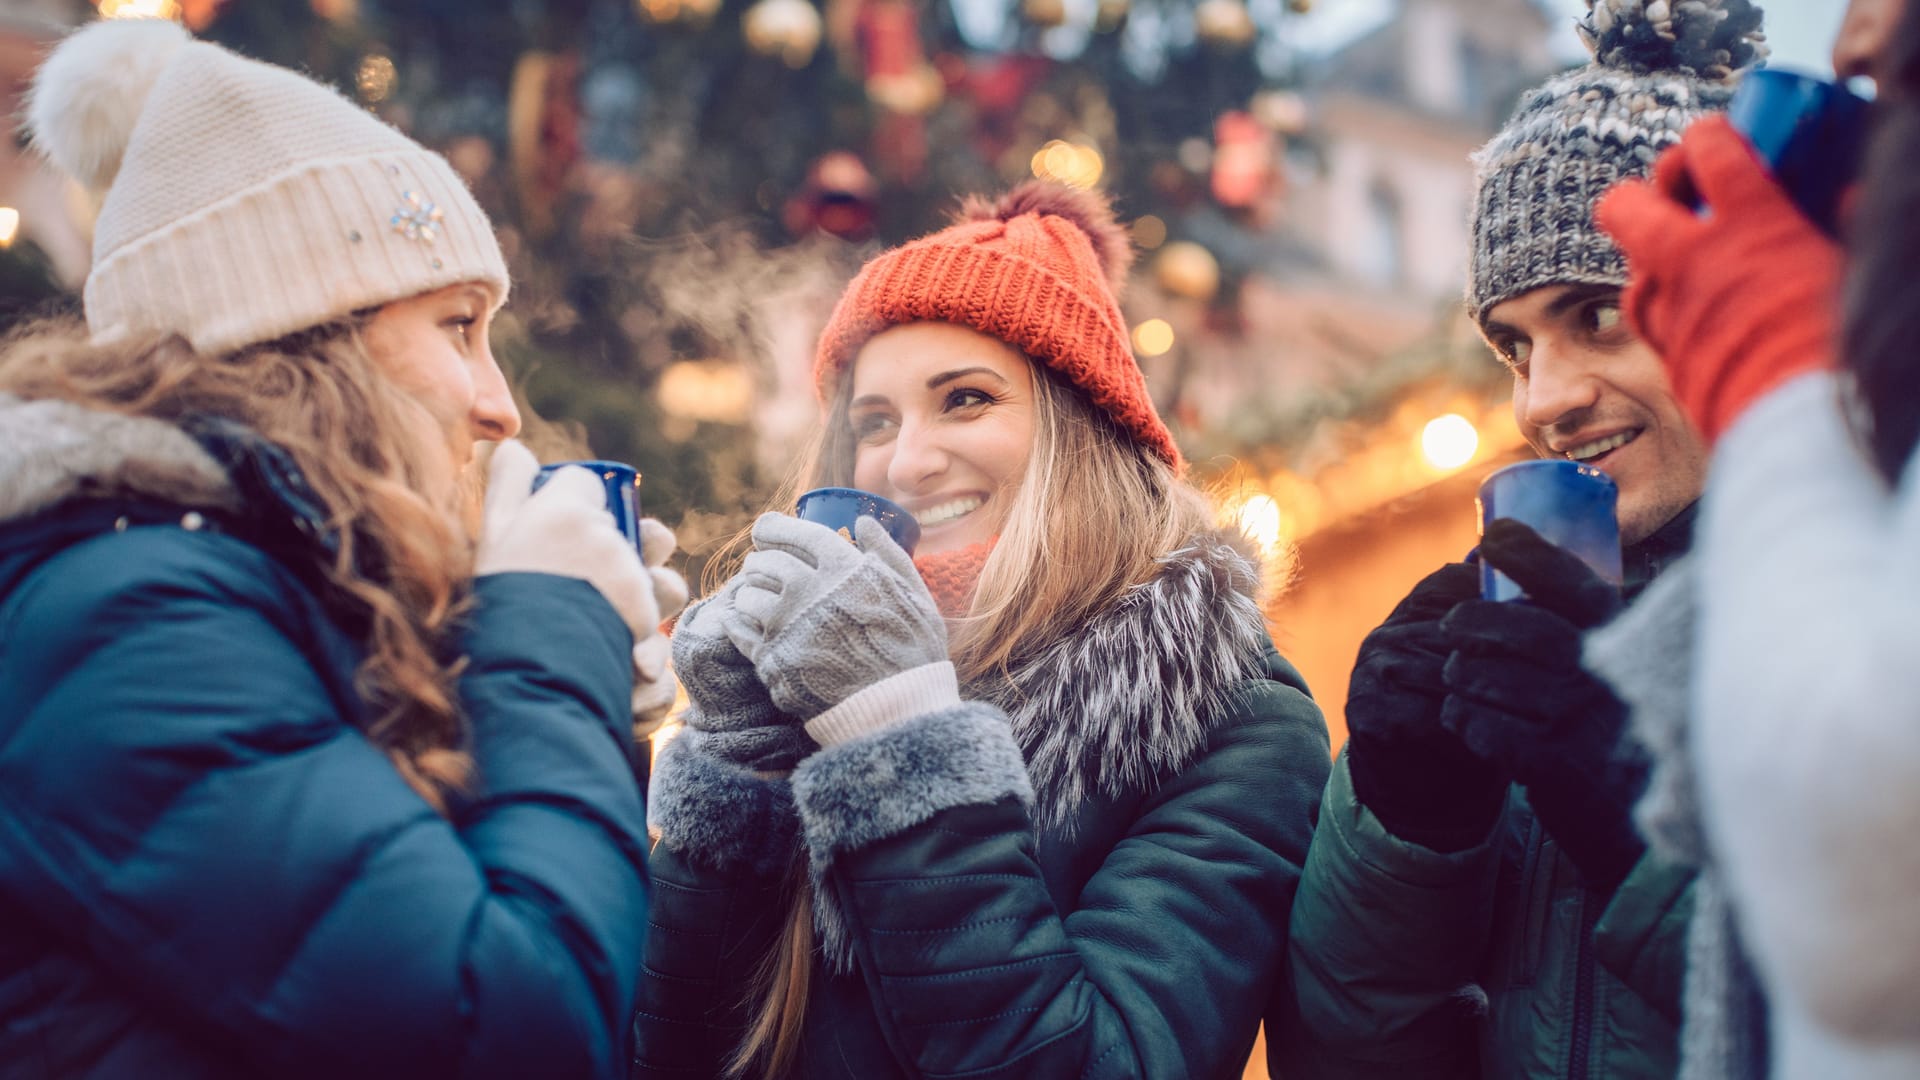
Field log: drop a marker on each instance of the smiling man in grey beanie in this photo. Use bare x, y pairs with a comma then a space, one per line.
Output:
1476, 901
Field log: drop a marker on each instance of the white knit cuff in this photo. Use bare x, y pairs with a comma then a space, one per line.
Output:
888, 702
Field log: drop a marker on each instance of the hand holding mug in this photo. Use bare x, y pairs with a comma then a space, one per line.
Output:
563, 529
822, 619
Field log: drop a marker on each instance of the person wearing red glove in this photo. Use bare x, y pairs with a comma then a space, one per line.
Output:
1794, 758
1477, 900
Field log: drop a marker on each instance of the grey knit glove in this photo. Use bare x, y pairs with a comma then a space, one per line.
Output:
823, 619
729, 712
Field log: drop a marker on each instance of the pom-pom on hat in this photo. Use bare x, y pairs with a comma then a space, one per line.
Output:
1658, 66
241, 201
1040, 269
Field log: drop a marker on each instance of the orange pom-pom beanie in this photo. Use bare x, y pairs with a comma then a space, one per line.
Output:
1041, 270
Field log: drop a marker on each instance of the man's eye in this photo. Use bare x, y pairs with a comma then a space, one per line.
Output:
1514, 353
461, 327
1605, 317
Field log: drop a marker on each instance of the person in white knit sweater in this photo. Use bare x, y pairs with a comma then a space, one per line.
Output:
1802, 728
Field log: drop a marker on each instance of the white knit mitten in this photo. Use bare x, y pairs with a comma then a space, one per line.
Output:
654, 690
562, 529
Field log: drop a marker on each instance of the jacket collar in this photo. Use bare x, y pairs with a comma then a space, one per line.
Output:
1648, 559
1133, 696
63, 455
58, 451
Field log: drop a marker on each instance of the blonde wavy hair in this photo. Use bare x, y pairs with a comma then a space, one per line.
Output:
1094, 515
404, 561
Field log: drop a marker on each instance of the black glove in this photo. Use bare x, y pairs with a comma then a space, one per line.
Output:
1416, 777
1518, 697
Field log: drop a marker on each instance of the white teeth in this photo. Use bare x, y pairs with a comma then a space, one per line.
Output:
1594, 449
947, 511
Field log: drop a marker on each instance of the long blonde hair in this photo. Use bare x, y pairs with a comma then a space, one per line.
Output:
1094, 515
403, 561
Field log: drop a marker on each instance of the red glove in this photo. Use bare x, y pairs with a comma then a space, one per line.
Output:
1737, 298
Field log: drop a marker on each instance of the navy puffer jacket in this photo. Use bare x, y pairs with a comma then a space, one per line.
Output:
207, 870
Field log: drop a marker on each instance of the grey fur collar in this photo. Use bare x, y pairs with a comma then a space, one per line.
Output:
55, 450
1131, 697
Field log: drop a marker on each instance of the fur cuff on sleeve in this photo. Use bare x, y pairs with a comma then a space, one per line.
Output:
869, 788
719, 814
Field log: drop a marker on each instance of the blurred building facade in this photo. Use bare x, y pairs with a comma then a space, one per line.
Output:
1363, 249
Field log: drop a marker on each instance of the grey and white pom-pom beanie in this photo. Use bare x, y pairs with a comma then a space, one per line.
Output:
1658, 66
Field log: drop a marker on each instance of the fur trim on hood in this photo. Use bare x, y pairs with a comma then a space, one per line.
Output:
1129, 698
57, 450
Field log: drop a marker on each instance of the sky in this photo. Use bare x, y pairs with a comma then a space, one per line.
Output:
1799, 32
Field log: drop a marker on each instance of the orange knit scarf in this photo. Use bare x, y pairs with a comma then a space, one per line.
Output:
952, 576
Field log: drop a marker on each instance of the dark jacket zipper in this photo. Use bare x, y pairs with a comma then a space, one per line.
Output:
1578, 1063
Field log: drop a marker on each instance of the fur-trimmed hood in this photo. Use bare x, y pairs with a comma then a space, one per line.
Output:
56, 451
1131, 696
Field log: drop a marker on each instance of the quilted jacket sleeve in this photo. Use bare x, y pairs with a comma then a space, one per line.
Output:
182, 799
1161, 967
1387, 937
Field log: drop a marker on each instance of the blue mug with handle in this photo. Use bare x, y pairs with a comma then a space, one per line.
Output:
622, 484
838, 508
1570, 505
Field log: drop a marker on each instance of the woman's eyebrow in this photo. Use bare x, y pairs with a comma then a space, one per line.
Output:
946, 377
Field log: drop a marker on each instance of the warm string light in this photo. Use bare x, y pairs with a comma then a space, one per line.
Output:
9, 226
1153, 337
1260, 519
1184, 268
1450, 441
1069, 163
140, 9
788, 29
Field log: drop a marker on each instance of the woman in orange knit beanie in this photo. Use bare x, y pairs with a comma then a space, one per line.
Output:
1043, 819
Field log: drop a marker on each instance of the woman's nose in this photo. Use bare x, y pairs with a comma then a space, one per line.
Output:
494, 416
918, 459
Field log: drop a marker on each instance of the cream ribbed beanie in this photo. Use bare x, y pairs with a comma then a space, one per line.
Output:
243, 202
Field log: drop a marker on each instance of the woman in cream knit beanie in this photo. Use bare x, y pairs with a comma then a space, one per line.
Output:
1009, 780
296, 776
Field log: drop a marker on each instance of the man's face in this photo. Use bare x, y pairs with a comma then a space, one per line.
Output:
1585, 388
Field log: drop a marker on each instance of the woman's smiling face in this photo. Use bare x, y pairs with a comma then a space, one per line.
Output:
943, 422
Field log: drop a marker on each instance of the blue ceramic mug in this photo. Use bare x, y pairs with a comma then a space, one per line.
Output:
1569, 504
622, 484
1810, 132
838, 508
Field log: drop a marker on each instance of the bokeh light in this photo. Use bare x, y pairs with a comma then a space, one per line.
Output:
375, 79
1149, 232
1449, 441
1153, 337
139, 9
1260, 519
1069, 163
